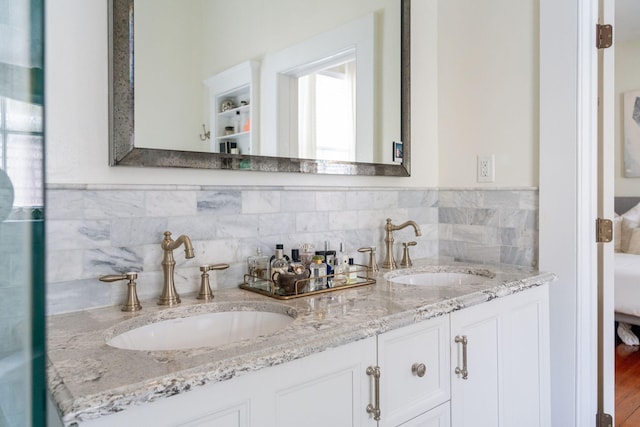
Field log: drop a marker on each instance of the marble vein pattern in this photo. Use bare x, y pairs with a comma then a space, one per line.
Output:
108, 229
89, 379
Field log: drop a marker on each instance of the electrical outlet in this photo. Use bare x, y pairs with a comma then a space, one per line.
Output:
486, 172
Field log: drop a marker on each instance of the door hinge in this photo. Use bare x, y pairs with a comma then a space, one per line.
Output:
604, 420
604, 230
604, 34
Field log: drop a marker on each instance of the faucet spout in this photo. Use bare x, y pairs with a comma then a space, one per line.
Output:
406, 224
168, 244
389, 261
169, 295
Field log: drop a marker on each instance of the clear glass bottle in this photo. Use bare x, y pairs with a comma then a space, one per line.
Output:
352, 275
278, 262
342, 257
258, 266
318, 275
339, 273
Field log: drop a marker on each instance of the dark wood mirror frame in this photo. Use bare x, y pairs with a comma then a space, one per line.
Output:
122, 149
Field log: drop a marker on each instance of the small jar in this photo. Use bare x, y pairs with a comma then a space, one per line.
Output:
229, 130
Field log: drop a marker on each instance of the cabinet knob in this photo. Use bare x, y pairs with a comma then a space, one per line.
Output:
418, 369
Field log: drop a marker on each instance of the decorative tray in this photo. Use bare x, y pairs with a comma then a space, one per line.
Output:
305, 286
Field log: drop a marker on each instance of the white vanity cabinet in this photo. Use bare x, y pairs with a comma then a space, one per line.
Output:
414, 365
421, 380
329, 388
507, 362
439, 416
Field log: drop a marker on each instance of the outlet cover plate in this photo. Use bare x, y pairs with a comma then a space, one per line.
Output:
486, 168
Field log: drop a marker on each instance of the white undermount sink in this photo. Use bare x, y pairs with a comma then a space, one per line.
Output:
204, 330
439, 278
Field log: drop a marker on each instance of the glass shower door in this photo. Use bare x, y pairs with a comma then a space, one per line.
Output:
22, 284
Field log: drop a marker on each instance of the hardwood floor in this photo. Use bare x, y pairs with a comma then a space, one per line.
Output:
627, 362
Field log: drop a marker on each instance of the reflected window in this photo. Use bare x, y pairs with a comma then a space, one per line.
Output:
327, 113
21, 153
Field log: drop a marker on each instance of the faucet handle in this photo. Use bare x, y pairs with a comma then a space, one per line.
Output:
406, 259
132, 303
205, 268
373, 265
205, 292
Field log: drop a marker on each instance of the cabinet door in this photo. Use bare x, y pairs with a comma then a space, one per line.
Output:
406, 392
330, 388
437, 417
224, 404
507, 362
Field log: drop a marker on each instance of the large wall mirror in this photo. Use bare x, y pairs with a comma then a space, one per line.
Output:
283, 85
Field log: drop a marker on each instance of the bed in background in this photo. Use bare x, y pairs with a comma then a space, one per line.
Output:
627, 271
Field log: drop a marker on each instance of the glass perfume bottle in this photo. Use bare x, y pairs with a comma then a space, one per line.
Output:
278, 262
296, 266
342, 257
339, 273
258, 265
306, 253
318, 269
352, 275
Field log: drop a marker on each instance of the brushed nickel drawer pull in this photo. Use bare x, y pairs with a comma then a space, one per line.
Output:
375, 409
418, 369
464, 371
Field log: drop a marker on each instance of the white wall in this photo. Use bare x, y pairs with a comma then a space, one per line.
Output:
481, 111
174, 113
488, 90
627, 78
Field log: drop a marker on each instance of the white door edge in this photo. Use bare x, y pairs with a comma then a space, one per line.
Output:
567, 203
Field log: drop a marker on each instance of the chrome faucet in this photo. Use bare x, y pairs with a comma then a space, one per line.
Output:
169, 296
389, 261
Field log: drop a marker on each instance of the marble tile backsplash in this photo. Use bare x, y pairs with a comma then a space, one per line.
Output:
92, 231
493, 227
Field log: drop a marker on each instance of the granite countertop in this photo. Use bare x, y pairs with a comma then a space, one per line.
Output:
88, 379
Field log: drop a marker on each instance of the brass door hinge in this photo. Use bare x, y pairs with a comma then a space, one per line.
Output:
604, 34
604, 230
604, 420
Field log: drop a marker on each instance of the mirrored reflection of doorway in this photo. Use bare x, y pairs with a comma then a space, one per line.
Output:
327, 113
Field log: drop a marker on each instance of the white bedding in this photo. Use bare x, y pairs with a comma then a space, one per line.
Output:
627, 283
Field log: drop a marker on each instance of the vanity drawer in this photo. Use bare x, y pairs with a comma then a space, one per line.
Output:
414, 363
